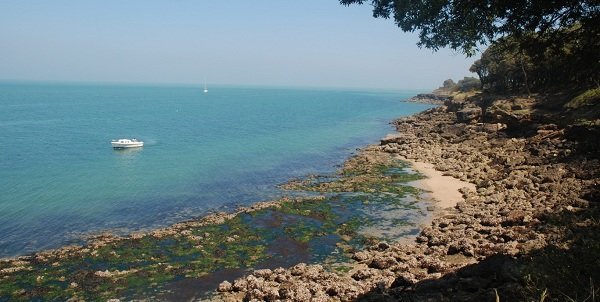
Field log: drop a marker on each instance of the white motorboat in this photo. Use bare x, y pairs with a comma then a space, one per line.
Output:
126, 143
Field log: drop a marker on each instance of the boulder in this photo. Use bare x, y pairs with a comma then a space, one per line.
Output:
454, 105
225, 287
468, 115
383, 262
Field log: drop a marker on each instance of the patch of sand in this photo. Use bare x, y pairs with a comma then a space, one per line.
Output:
441, 188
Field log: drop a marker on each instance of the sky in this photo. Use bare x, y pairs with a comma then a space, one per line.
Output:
308, 43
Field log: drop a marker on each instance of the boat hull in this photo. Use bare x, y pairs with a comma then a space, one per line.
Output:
126, 143
121, 146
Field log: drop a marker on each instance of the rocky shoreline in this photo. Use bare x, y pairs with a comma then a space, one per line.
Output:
429, 98
528, 230
329, 217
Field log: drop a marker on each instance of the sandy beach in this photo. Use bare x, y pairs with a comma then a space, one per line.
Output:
444, 189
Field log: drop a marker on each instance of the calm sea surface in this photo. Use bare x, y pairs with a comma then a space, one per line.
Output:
60, 179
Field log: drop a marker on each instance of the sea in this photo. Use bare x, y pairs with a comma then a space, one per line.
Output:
61, 181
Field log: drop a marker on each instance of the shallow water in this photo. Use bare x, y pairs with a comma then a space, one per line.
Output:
60, 179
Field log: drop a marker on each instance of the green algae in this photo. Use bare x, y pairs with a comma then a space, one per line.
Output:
325, 228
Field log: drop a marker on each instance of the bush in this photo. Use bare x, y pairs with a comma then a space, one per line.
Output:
589, 97
468, 84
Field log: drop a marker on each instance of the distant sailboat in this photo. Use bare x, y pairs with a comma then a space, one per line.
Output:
205, 88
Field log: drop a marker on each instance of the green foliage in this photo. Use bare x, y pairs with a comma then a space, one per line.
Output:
588, 98
468, 84
563, 57
449, 85
466, 24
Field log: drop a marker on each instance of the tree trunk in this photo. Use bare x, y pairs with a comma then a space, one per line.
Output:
524, 75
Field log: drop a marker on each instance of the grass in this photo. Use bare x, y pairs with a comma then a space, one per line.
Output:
569, 272
590, 97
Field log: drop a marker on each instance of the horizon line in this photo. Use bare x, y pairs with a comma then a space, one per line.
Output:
190, 84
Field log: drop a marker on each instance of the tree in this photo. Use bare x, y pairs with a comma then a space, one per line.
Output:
481, 69
560, 58
449, 84
466, 24
468, 84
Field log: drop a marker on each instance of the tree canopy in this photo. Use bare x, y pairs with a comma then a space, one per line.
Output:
465, 24
535, 62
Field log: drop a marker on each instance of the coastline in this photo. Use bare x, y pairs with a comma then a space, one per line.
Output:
505, 240
444, 189
115, 257
469, 249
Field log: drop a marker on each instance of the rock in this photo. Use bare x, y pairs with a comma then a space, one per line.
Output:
383, 262
514, 217
382, 246
399, 138
254, 295
298, 269
463, 246
314, 272
295, 292
362, 274
263, 273
492, 127
361, 256
240, 285
429, 98
225, 286
453, 105
271, 294
522, 182
404, 279
468, 114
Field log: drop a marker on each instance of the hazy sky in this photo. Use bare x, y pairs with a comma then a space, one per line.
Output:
241, 42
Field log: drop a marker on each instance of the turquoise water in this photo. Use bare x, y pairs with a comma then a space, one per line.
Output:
61, 180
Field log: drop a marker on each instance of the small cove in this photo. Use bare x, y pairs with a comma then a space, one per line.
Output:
203, 152
188, 260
